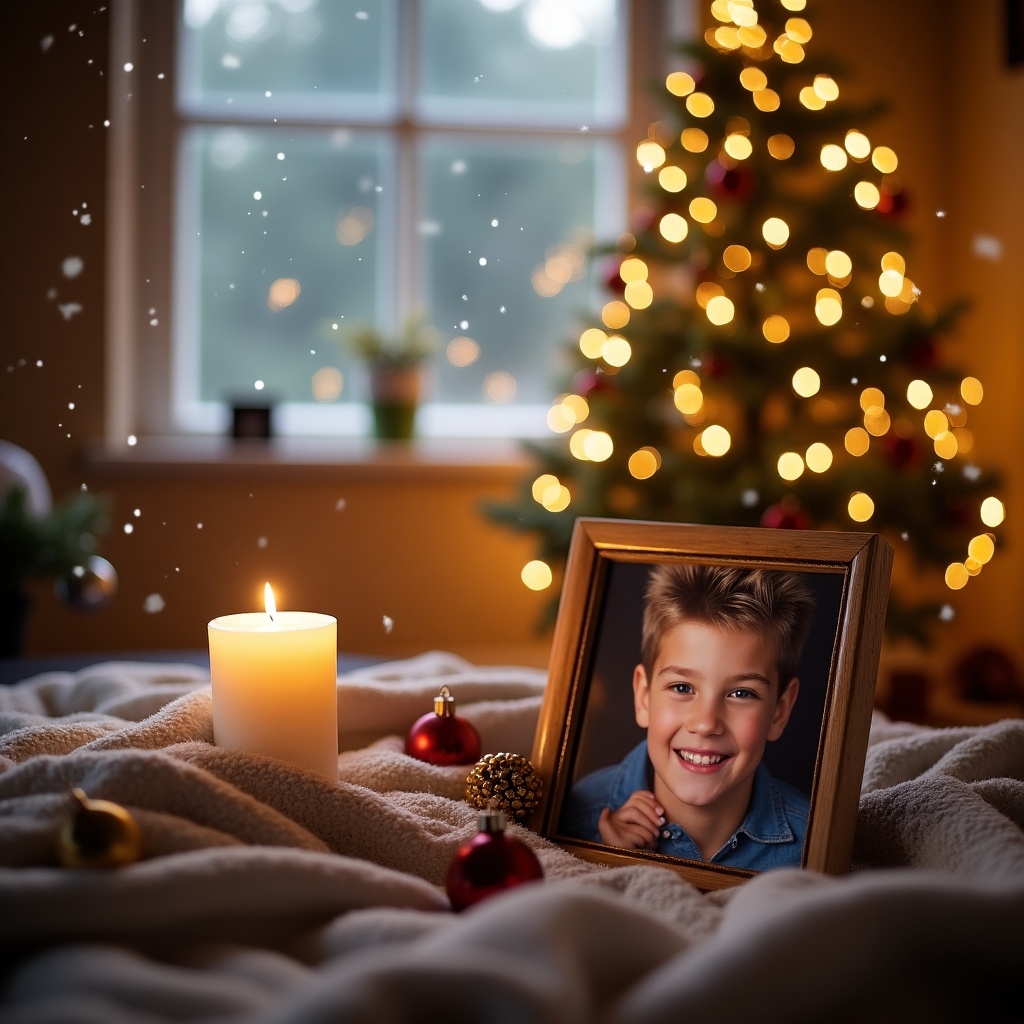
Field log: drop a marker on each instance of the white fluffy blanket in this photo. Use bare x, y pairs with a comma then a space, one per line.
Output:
266, 894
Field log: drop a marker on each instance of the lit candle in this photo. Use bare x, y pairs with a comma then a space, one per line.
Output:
274, 677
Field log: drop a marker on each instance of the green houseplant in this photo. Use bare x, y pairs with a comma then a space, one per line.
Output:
56, 542
397, 372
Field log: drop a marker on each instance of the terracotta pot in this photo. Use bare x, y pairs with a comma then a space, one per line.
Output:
395, 393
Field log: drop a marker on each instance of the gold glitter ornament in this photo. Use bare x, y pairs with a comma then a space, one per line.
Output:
506, 782
97, 834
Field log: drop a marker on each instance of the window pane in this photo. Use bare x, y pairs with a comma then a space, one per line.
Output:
281, 238
304, 59
557, 62
504, 231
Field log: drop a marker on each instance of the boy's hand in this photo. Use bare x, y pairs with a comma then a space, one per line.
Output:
635, 825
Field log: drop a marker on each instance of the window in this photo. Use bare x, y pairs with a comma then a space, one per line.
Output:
288, 168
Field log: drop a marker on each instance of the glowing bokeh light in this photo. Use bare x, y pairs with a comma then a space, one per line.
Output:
775, 329
650, 154
884, 159
736, 258
592, 342
867, 195
327, 384
616, 351
688, 398
615, 315
790, 466
992, 512
672, 178
833, 157
860, 507
537, 575
462, 351
700, 104
283, 292
838, 263
806, 382
644, 463
673, 227
857, 441
919, 394
715, 440
956, 576
775, 232
971, 390
703, 210
720, 310
818, 457
982, 548
694, 140
679, 83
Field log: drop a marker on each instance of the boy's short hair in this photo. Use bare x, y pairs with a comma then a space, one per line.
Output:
773, 604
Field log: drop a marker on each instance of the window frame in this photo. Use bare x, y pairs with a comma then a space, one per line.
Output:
144, 203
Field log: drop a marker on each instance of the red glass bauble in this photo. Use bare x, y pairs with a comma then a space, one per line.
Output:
714, 365
786, 515
442, 737
613, 279
923, 353
588, 383
489, 863
901, 451
728, 182
892, 204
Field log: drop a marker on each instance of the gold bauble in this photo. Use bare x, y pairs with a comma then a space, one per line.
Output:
97, 834
505, 782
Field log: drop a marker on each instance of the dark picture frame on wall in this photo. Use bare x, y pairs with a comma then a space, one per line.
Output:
588, 720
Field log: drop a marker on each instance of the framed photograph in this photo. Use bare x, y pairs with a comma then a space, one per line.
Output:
709, 697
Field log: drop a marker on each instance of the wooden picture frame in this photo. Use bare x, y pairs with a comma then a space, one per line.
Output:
596, 643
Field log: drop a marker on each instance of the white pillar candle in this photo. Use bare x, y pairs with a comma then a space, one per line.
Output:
274, 680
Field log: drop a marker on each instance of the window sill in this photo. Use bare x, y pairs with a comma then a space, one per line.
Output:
427, 460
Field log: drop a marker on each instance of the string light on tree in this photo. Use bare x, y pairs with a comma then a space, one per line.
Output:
765, 355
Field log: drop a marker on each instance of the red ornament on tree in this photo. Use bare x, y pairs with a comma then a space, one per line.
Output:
587, 383
786, 515
892, 204
901, 451
923, 353
728, 182
442, 737
613, 279
489, 863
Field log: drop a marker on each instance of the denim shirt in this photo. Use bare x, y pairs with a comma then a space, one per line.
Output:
770, 836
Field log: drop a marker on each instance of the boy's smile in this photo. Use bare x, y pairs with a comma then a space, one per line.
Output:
709, 709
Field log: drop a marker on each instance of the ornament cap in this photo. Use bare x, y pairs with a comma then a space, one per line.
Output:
491, 820
444, 703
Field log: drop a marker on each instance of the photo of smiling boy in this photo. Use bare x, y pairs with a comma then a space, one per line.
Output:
717, 681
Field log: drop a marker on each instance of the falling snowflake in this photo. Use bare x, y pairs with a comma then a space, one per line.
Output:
987, 247
339, 505
154, 603
389, 624
72, 266
261, 542
69, 309
947, 613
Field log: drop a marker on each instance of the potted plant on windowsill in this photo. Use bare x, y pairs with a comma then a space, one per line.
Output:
40, 538
397, 372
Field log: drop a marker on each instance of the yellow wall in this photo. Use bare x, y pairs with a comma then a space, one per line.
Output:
417, 551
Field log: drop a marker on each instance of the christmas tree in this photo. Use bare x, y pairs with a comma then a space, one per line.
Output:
764, 356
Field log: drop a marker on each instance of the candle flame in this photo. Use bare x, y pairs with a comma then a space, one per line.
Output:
268, 600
